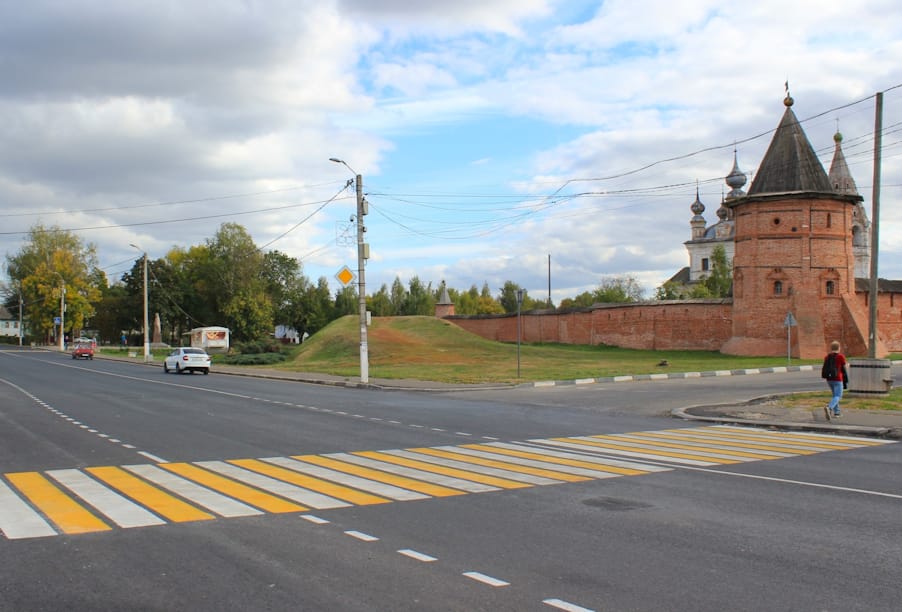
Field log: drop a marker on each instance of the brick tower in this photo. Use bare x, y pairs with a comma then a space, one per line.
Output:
794, 254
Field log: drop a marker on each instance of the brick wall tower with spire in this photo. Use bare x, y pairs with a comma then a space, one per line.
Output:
444, 307
794, 253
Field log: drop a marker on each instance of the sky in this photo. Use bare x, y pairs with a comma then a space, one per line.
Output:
544, 142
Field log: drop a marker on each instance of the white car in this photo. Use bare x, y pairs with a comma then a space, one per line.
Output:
187, 359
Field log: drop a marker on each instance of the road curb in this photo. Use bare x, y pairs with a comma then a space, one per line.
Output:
670, 376
858, 430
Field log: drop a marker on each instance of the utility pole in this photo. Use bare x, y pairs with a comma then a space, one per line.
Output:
549, 280
363, 253
20, 319
146, 329
875, 224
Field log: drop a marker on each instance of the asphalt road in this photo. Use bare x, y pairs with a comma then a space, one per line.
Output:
122, 488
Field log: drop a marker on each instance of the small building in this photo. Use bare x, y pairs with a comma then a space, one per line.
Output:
211, 339
9, 325
287, 334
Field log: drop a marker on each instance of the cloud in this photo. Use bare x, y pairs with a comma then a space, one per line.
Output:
489, 133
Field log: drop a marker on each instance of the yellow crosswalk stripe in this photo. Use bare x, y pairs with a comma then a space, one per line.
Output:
826, 438
687, 436
378, 476
242, 492
781, 438
642, 445
67, 514
601, 444
503, 465
310, 482
558, 460
155, 499
447, 471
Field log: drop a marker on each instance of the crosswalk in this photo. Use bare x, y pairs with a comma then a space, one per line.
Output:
104, 498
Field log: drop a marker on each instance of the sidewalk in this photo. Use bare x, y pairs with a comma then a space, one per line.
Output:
769, 412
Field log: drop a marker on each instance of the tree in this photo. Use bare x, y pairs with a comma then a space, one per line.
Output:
670, 290
113, 313
619, 289
487, 303
380, 303
286, 285
419, 299
346, 302
236, 283
720, 281
398, 296
318, 307
508, 298
51, 262
467, 302
583, 300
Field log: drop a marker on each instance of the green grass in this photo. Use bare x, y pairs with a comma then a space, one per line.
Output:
426, 348
816, 399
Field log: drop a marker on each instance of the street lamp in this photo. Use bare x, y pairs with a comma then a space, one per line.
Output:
146, 330
62, 337
362, 256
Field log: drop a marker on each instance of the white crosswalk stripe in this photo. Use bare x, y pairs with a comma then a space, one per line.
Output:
114, 506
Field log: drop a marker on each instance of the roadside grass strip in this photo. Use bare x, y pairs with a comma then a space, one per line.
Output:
96, 499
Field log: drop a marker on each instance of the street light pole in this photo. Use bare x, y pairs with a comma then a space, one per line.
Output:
62, 337
362, 256
146, 330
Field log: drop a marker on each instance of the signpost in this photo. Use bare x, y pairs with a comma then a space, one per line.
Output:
789, 322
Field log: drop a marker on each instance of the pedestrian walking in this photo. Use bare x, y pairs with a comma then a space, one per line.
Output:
837, 377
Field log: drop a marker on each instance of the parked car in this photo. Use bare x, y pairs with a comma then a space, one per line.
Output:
83, 350
187, 359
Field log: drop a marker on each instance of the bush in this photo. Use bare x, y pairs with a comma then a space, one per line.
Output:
253, 359
255, 347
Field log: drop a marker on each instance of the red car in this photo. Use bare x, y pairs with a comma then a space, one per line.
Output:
83, 350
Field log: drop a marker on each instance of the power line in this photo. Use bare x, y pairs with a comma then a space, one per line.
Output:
164, 221
170, 203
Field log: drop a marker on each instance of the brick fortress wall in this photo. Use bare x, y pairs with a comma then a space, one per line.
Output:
702, 325
670, 325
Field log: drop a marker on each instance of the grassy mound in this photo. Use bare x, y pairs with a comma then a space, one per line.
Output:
426, 348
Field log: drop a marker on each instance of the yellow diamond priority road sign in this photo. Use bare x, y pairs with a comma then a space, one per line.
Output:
345, 276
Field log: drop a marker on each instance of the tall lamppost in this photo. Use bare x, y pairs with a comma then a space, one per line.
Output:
362, 255
146, 330
62, 337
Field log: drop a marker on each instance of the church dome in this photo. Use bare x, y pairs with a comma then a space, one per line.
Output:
735, 180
